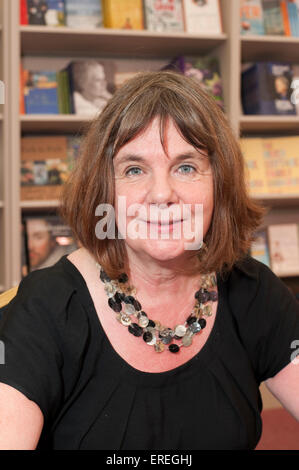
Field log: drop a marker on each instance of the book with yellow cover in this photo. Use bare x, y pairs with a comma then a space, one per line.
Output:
273, 165
254, 164
123, 15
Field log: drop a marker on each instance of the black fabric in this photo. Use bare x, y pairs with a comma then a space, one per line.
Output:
57, 354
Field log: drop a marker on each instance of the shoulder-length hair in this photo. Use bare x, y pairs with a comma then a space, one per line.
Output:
202, 123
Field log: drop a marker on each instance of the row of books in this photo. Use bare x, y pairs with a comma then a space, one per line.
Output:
85, 86
270, 88
275, 17
192, 16
277, 246
272, 165
45, 238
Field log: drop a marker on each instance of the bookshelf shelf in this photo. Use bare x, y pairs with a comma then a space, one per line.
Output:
280, 200
108, 42
281, 48
53, 123
39, 204
268, 123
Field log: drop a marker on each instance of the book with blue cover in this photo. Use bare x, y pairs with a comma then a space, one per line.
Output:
260, 248
83, 14
252, 20
266, 89
41, 93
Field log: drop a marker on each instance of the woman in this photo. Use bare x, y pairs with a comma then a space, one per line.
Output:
155, 341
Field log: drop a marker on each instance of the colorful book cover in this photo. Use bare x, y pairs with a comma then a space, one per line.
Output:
83, 14
91, 83
44, 166
48, 239
204, 69
254, 165
23, 12
293, 18
259, 247
295, 87
272, 165
252, 20
266, 89
41, 92
273, 20
46, 12
123, 15
202, 16
164, 15
285, 17
284, 249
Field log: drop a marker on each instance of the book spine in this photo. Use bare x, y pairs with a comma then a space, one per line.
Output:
23, 12
285, 17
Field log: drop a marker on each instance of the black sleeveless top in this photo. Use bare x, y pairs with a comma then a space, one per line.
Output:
58, 355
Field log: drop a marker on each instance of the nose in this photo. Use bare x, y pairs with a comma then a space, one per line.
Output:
162, 190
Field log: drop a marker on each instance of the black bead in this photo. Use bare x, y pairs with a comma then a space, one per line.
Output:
137, 305
213, 295
147, 336
135, 329
116, 306
174, 348
151, 323
104, 277
123, 278
202, 295
191, 320
129, 299
202, 322
118, 296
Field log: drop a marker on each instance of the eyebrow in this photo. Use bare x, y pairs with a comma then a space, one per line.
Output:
131, 157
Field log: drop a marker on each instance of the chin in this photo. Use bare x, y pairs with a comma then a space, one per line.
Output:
163, 250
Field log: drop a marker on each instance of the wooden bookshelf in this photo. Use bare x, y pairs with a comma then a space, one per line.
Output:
269, 124
278, 48
62, 123
67, 41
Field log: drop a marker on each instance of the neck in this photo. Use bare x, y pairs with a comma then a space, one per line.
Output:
162, 282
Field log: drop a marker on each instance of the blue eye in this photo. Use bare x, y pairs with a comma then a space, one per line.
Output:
187, 169
133, 171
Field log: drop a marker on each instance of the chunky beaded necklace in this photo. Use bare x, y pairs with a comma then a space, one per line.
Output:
130, 314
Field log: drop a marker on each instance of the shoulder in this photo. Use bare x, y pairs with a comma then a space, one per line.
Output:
49, 294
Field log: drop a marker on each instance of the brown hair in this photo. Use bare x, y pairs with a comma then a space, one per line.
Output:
201, 122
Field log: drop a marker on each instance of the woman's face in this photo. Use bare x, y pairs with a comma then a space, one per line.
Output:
160, 183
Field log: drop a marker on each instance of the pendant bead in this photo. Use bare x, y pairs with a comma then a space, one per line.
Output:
129, 309
187, 340
191, 320
202, 322
159, 346
180, 330
195, 327
123, 278
135, 329
125, 320
116, 306
147, 336
174, 348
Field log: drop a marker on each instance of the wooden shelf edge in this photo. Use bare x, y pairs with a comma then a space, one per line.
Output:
39, 204
269, 38
116, 32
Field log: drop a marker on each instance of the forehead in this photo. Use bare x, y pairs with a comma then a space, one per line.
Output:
151, 142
